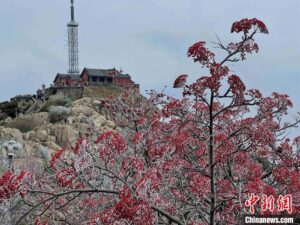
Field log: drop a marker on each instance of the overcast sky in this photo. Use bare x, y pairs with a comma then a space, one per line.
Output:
146, 38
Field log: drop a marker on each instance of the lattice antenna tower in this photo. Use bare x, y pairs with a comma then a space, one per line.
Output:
73, 43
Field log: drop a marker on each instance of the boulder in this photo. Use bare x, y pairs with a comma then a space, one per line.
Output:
82, 110
28, 135
41, 135
103, 124
70, 120
65, 135
81, 128
96, 103
7, 134
82, 102
41, 117
39, 151
52, 146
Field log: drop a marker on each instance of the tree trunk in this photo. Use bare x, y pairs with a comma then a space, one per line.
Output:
211, 163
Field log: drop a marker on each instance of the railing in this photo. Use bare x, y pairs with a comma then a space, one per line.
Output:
32, 106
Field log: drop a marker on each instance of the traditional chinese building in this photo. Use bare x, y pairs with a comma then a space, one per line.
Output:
90, 77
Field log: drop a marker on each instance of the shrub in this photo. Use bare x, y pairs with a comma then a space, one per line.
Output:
25, 123
59, 100
58, 113
56, 100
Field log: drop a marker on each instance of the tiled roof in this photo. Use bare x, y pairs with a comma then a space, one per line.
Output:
67, 76
104, 73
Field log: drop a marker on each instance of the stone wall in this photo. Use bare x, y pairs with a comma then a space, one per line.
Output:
95, 91
102, 91
106, 90
71, 92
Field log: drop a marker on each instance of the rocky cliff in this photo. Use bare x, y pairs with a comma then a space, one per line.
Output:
42, 138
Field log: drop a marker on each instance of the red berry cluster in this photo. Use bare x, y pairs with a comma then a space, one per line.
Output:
201, 54
246, 24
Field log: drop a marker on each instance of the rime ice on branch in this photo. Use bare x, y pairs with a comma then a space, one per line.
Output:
190, 160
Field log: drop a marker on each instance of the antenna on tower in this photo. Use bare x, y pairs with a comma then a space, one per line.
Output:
73, 43
72, 10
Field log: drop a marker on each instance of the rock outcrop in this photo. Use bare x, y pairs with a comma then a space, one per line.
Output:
40, 143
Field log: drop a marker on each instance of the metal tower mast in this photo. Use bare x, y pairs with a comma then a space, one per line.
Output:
73, 43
